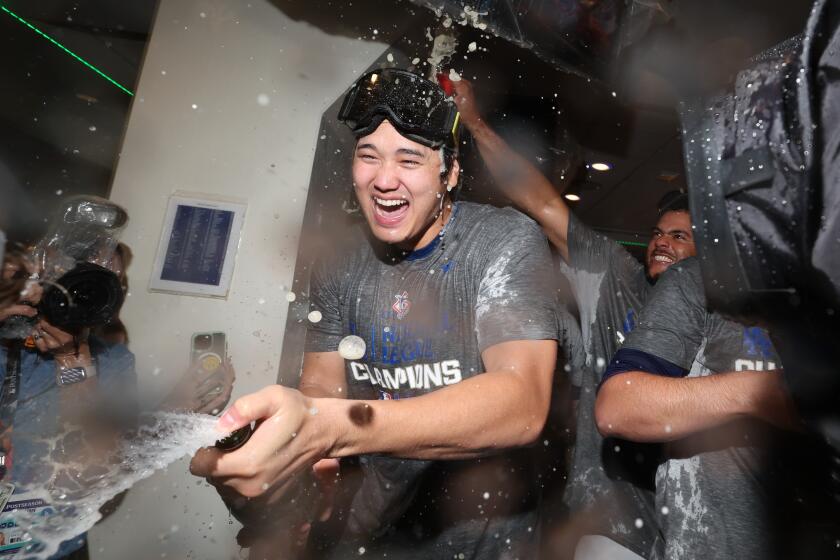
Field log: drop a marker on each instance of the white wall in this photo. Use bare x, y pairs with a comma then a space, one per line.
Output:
218, 56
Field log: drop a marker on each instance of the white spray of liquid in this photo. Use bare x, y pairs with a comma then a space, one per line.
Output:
443, 48
161, 439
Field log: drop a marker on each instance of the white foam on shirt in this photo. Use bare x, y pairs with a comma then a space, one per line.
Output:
587, 288
493, 289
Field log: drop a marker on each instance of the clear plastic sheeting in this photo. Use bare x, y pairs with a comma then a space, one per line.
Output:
85, 229
579, 36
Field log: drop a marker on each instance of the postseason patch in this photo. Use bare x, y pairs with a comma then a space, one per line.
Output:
13, 538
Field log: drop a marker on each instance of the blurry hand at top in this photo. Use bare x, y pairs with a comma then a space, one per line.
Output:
7, 311
465, 101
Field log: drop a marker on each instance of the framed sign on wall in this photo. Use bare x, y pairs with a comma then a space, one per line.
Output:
198, 246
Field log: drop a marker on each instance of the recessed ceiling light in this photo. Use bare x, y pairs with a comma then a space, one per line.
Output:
600, 166
571, 196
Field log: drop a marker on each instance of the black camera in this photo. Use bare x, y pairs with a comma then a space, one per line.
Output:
89, 295
79, 290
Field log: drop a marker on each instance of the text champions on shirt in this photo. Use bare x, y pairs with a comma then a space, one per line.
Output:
417, 376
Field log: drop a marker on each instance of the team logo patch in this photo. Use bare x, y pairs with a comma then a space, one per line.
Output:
402, 305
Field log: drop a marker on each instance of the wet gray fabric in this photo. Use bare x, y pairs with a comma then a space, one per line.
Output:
713, 489
425, 318
826, 256
611, 478
571, 341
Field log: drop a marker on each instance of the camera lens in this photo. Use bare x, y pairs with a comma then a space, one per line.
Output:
87, 296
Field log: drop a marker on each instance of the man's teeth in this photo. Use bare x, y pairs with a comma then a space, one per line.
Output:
663, 259
383, 202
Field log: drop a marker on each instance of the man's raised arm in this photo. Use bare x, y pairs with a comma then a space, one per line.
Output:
519, 179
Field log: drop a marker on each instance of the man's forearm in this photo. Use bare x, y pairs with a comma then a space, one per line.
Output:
323, 376
319, 391
644, 407
524, 185
491, 411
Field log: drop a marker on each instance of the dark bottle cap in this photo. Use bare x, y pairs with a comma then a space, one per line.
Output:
236, 439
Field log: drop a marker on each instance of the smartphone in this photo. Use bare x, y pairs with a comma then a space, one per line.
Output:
208, 352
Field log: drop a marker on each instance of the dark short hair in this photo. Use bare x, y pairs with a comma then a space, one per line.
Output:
449, 156
672, 201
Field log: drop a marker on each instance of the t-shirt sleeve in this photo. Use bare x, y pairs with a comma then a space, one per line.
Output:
592, 252
672, 323
324, 297
627, 359
516, 293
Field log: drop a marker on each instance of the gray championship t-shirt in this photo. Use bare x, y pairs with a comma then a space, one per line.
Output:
713, 488
425, 318
611, 479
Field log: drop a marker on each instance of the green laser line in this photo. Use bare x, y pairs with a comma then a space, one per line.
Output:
634, 243
65, 49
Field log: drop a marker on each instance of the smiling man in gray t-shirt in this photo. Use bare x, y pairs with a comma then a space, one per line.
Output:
460, 348
712, 390
428, 318
609, 492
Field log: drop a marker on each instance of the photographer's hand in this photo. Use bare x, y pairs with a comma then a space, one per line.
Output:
195, 392
18, 309
64, 346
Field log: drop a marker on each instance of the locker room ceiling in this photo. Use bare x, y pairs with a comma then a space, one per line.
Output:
62, 124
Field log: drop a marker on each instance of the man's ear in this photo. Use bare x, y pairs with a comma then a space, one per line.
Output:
452, 177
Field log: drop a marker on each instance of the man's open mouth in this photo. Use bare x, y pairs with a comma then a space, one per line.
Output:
389, 211
663, 258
